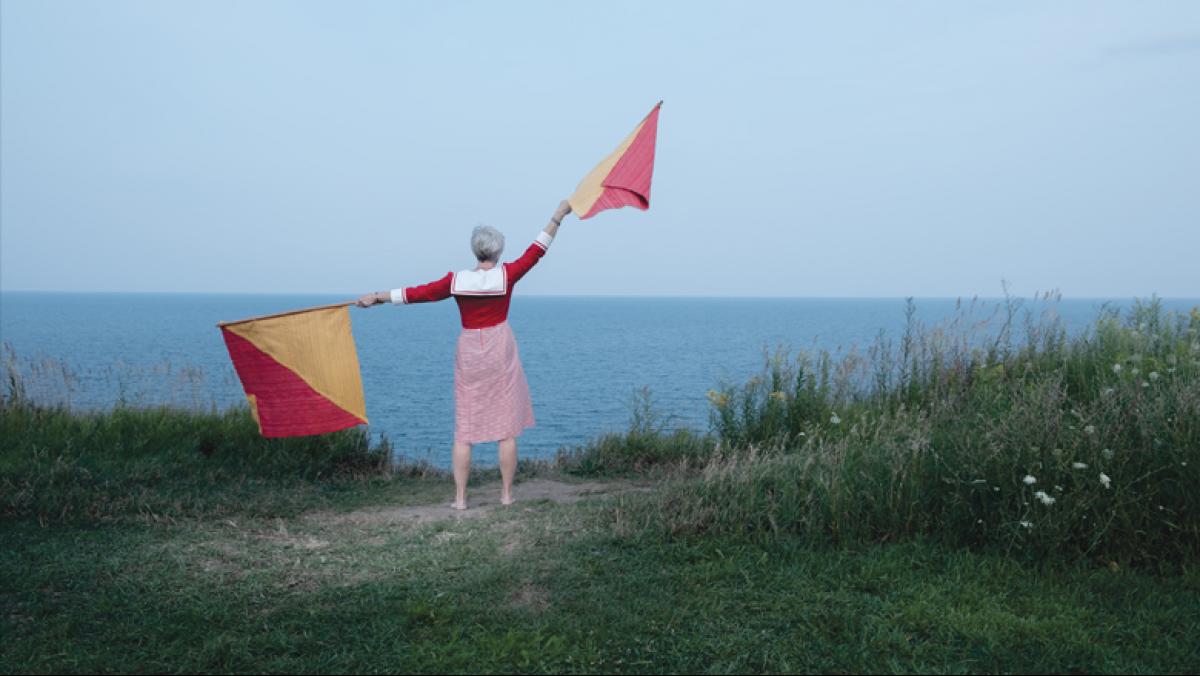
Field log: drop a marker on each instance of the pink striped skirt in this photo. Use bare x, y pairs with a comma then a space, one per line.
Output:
491, 396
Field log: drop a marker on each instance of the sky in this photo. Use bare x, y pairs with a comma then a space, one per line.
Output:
838, 149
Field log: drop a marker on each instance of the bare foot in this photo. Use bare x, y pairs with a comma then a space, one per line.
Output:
458, 505
509, 501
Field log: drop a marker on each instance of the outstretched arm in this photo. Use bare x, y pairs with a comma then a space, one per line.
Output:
436, 290
518, 268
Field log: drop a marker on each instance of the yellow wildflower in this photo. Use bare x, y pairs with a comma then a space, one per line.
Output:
717, 399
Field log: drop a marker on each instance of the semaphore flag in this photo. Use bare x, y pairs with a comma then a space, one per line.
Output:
623, 178
299, 370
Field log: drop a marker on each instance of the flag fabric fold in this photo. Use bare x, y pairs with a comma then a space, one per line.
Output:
299, 370
623, 178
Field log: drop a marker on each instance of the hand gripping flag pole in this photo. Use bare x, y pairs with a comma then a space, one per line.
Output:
623, 178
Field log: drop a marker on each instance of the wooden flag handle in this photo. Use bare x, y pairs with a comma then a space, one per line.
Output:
289, 312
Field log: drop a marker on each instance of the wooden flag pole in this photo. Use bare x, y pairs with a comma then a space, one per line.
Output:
290, 312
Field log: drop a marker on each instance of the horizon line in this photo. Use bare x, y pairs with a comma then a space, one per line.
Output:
1039, 294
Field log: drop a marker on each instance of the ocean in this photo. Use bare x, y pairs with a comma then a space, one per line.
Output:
585, 357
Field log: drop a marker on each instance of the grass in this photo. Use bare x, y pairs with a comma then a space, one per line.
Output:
160, 464
840, 516
1060, 445
550, 589
647, 448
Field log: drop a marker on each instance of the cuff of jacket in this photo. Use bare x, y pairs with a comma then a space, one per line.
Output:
398, 297
544, 239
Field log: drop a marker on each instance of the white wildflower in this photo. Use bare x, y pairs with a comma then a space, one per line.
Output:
1027, 524
1116, 368
1108, 391
1090, 429
1107, 453
1145, 384
1079, 465
1046, 499
1135, 370
834, 419
1029, 480
1105, 481
1154, 375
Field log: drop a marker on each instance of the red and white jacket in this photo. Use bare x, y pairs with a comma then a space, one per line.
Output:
482, 295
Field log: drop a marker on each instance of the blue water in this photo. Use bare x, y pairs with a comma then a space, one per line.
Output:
584, 357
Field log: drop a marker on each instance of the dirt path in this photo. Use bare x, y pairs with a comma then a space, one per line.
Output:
481, 502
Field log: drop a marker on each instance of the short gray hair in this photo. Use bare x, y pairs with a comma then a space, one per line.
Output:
487, 243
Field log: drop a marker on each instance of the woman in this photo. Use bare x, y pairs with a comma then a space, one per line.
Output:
491, 396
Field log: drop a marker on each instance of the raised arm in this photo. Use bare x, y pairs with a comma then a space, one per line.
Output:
517, 269
564, 208
433, 291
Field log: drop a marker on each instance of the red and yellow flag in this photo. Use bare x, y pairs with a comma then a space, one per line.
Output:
300, 371
623, 178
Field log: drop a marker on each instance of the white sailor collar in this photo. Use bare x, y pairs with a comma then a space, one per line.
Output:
491, 282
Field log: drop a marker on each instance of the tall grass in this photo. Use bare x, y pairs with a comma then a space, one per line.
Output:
648, 446
50, 381
1011, 433
62, 465
1085, 444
